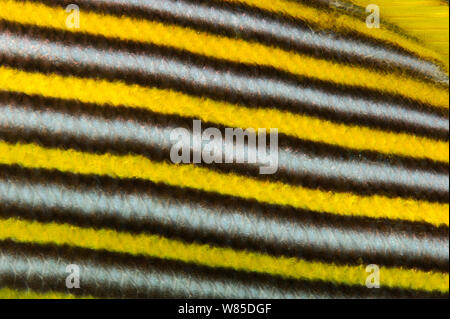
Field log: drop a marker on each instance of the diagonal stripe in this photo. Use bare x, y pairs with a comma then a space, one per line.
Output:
155, 278
219, 81
156, 246
343, 23
224, 48
34, 156
170, 102
258, 25
86, 127
198, 216
108, 274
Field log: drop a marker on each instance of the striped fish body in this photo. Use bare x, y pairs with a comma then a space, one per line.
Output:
92, 90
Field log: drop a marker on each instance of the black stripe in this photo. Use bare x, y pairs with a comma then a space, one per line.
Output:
101, 129
292, 177
210, 23
106, 274
351, 105
138, 114
196, 216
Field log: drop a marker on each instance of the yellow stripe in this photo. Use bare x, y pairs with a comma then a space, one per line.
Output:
170, 102
7, 293
224, 48
328, 20
136, 166
156, 246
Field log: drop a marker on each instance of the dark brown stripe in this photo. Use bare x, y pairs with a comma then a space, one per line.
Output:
102, 129
351, 105
279, 26
196, 216
105, 274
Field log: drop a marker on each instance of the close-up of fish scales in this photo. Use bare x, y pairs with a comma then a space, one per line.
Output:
224, 149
